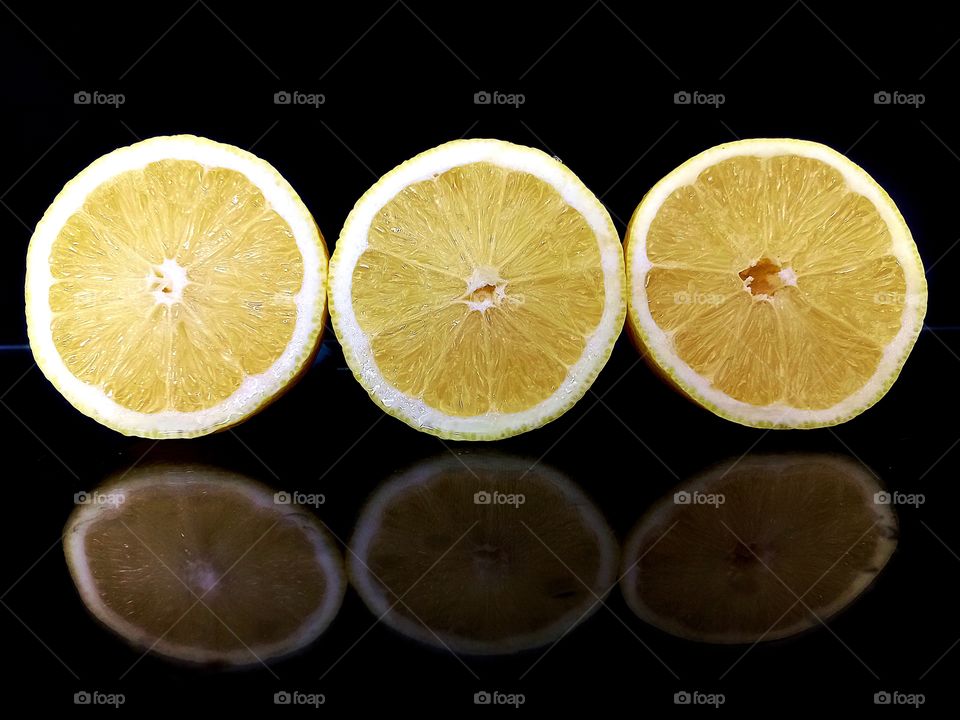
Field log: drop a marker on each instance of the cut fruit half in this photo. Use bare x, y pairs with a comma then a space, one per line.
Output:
175, 287
759, 549
477, 290
202, 565
774, 283
482, 554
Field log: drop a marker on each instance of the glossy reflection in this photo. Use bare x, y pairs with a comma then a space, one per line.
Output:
203, 565
758, 549
482, 554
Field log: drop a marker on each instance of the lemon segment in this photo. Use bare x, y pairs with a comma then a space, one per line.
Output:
174, 287
775, 283
477, 289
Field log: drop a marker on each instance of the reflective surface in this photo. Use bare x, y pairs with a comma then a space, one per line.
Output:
542, 626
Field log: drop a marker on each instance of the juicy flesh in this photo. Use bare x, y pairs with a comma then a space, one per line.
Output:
255, 570
775, 281
478, 290
172, 284
487, 572
736, 570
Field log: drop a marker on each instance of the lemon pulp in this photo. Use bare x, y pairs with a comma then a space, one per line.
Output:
171, 284
478, 289
775, 280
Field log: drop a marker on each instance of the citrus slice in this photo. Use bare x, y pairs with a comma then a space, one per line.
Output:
202, 565
775, 283
759, 549
489, 556
477, 290
175, 287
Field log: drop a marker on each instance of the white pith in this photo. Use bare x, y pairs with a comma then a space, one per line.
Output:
169, 280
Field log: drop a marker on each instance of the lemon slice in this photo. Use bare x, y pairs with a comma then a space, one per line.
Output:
760, 549
175, 287
477, 290
200, 564
775, 283
491, 555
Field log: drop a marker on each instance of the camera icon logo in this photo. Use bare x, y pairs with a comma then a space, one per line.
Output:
82, 98
882, 98
482, 698
482, 498
882, 498
82, 698
282, 97
682, 698
682, 98
282, 498
81, 498
282, 698
882, 698
482, 97
681, 498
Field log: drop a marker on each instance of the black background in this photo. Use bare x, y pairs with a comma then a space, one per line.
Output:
599, 82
